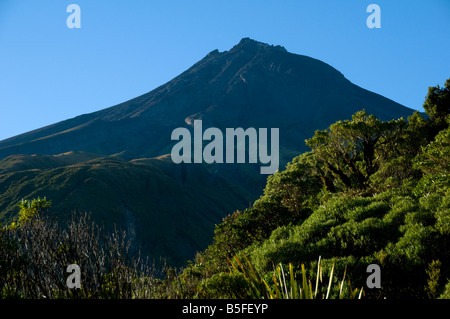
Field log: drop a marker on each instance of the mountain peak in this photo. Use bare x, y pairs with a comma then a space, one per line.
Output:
247, 44
254, 84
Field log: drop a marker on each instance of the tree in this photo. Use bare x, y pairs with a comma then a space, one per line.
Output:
352, 151
435, 158
437, 105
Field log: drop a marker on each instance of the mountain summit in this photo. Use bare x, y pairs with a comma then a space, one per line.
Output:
114, 163
247, 44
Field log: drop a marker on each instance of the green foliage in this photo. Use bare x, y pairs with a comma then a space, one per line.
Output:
446, 293
369, 192
31, 208
435, 158
289, 198
343, 226
352, 151
296, 187
288, 285
232, 285
437, 105
433, 273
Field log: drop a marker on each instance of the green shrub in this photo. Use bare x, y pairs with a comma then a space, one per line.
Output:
231, 285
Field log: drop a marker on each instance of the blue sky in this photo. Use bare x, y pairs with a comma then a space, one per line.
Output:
49, 73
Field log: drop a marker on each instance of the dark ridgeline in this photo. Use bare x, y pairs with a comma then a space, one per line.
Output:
116, 165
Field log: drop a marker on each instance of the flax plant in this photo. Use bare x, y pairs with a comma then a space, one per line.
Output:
286, 286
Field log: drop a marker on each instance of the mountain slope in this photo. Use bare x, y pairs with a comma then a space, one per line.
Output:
156, 201
114, 162
252, 85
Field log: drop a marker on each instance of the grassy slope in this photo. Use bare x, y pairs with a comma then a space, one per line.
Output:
165, 208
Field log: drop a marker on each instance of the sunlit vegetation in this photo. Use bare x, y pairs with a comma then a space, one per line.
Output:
368, 192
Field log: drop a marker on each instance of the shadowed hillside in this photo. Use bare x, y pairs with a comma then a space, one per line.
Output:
114, 162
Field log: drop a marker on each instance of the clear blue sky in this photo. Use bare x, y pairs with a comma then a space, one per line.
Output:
49, 73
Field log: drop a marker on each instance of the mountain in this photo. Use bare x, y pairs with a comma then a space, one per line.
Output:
166, 209
114, 162
252, 85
